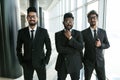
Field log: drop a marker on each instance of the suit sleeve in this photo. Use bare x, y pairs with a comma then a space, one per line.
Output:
48, 47
77, 43
105, 43
68, 47
19, 47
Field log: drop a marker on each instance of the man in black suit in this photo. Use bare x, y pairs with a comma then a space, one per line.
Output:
95, 40
30, 47
69, 45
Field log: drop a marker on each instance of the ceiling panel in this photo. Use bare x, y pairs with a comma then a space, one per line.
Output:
45, 3
42, 3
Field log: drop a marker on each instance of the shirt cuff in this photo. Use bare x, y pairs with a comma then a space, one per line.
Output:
70, 37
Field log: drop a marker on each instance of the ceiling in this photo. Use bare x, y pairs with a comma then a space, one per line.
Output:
45, 4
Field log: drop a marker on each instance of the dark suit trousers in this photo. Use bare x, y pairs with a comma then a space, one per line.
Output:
63, 74
100, 71
29, 70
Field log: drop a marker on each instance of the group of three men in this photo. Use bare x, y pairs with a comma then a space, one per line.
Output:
69, 45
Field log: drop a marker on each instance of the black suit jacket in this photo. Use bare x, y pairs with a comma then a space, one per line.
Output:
69, 51
93, 54
33, 52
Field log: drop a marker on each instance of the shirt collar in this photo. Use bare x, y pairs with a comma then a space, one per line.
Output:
65, 29
93, 29
33, 29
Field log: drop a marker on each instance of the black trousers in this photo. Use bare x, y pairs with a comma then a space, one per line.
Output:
100, 71
63, 74
28, 71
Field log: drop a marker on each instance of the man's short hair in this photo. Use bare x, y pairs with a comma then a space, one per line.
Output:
92, 12
31, 9
68, 15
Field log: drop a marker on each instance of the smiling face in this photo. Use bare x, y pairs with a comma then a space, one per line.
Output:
32, 18
92, 19
68, 23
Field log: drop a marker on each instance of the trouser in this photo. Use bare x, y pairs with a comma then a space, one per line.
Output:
63, 74
100, 71
28, 71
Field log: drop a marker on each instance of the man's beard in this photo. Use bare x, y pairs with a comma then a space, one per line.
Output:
68, 28
93, 24
32, 24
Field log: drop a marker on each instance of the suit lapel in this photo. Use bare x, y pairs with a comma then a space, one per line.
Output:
90, 34
38, 33
99, 33
27, 33
63, 36
72, 32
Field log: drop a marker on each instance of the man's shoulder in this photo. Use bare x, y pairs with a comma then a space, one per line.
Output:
41, 29
58, 32
75, 30
85, 30
101, 30
23, 29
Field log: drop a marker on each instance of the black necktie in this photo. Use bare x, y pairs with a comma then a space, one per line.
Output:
95, 35
32, 37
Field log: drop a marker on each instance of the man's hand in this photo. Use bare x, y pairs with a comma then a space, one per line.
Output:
68, 34
98, 43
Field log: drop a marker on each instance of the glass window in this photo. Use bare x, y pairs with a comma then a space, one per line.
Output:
89, 0
67, 3
62, 7
93, 6
113, 30
79, 19
79, 3
72, 4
